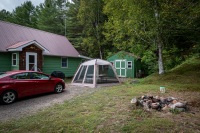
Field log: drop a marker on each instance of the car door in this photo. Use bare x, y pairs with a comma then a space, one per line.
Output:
23, 84
43, 83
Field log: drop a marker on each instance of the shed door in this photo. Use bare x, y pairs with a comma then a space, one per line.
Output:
120, 66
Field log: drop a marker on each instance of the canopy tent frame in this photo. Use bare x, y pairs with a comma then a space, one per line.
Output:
97, 79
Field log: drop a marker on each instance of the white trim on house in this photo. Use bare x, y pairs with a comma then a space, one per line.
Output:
20, 48
15, 59
27, 60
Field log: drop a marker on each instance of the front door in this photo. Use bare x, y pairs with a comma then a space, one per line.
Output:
31, 61
120, 66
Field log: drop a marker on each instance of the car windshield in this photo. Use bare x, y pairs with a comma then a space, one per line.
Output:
3, 75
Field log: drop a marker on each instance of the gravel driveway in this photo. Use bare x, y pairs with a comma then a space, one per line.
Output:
31, 105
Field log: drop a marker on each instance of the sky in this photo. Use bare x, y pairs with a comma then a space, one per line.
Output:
10, 5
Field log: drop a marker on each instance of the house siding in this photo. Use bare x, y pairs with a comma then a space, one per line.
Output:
136, 66
5, 61
53, 63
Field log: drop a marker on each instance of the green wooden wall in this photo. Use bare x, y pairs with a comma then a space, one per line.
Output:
5, 61
136, 63
50, 64
53, 63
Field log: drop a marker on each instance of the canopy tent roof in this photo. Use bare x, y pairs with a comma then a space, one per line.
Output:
96, 61
95, 73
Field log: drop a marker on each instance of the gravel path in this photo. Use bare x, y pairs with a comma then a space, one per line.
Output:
31, 105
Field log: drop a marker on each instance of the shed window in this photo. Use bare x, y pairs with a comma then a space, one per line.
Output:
129, 64
64, 62
14, 59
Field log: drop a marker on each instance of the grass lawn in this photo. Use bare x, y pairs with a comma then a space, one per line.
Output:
109, 110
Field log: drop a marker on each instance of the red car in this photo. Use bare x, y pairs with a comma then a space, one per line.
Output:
18, 84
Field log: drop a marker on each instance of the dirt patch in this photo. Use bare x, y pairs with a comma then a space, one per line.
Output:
184, 120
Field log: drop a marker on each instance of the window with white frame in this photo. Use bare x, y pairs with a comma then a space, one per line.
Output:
14, 59
64, 62
129, 64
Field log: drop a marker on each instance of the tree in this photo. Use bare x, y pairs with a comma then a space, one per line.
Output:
143, 26
74, 28
5, 15
25, 15
51, 16
92, 18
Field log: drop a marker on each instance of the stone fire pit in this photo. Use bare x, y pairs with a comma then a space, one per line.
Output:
160, 103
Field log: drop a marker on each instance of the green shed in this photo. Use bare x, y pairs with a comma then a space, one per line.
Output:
126, 64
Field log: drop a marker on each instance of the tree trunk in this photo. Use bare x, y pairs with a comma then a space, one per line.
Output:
160, 60
158, 38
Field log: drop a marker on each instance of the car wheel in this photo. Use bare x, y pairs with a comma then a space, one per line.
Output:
58, 88
8, 97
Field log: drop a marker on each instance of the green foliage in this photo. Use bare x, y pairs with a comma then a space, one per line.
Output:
5, 15
141, 26
100, 28
92, 19
184, 77
25, 15
73, 27
55, 21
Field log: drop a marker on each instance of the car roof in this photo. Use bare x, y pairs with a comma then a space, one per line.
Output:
18, 71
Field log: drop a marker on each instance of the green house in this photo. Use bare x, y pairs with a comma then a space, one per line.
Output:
126, 64
24, 48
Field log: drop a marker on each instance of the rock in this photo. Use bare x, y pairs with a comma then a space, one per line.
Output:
163, 100
155, 100
144, 97
178, 105
166, 108
146, 106
170, 99
155, 105
150, 97
160, 103
174, 101
135, 101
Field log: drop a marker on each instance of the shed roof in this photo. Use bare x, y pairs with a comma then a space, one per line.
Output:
123, 54
57, 45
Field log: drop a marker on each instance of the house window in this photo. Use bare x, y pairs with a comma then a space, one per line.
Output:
14, 59
64, 62
129, 64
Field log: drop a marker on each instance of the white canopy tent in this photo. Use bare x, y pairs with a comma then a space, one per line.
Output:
95, 73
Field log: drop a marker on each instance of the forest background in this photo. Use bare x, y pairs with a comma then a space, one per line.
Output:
164, 33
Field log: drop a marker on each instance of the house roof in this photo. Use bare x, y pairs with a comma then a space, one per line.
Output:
20, 45
13, 35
